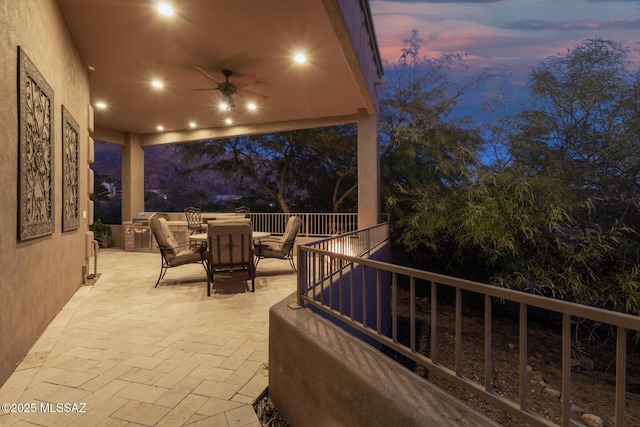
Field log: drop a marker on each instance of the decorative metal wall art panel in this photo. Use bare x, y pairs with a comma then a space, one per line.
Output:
70, 146
36, 152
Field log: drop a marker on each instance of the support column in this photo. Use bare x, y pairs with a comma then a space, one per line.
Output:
132, 177
368, 170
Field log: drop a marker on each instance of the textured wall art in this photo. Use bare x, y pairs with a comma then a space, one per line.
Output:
36, 166
70, 145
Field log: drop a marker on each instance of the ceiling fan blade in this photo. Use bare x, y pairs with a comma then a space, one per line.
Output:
204, 73
247, 80
251, 94
206, 88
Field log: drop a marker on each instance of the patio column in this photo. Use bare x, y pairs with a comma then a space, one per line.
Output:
368, 170
132, 177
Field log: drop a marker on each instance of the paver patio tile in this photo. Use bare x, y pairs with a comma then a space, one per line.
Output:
182, 411
106, 377
146, 362
177, 374
237, 358
207, 359
142, 392
216, 389
214, 406
142, 376
244, 372
242, 416
71, 378
218, 420
211, 373
256, 385
143, 413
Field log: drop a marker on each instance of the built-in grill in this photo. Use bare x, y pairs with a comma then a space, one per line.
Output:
143, 218
142, 236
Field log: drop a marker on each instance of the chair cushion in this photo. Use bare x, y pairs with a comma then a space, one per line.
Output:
186, 256
267, 251
290, 233
161, 230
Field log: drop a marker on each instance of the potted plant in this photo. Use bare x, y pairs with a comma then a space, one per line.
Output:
101, 232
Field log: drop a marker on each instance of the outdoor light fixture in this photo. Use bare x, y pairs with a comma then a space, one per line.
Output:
227, 102
229, 88
165, 9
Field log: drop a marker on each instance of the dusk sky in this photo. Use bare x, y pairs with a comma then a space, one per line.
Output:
510, 36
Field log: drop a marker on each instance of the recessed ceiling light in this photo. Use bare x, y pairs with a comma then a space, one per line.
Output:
160, 128
192, 124
300, 58
228, 121
252, 106
165, 9
157, 84
101, 105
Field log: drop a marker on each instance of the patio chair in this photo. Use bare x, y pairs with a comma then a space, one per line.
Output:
194, 220
231, 248
281, 248
174, 254
242, 211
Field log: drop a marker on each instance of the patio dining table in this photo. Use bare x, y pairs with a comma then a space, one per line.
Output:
202, 237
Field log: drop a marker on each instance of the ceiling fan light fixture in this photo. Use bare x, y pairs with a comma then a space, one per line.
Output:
227, 102
165, 9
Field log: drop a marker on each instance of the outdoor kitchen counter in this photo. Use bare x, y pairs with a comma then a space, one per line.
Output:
177, 223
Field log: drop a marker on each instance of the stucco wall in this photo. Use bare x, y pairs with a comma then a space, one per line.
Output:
37, 276
319, 375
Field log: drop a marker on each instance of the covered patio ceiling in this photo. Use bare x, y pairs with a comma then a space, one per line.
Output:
127, 44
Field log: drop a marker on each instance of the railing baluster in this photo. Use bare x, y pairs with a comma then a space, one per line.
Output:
487, 343
340, 287
523, 356
378, 302
566, 369
458, 333
412, 313
352, 297
434, 326
621, 374
364, 296
394, 307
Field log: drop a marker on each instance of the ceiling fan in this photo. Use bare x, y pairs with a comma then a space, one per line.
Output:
236, 87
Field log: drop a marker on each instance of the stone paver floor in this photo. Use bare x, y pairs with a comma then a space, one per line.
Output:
123, 353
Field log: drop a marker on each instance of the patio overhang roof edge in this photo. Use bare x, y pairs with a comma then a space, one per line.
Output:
152, 139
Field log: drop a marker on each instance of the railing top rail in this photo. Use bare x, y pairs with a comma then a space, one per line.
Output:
318, 243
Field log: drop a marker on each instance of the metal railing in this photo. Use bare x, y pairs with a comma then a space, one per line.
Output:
326, 282
313, 224
137, 236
